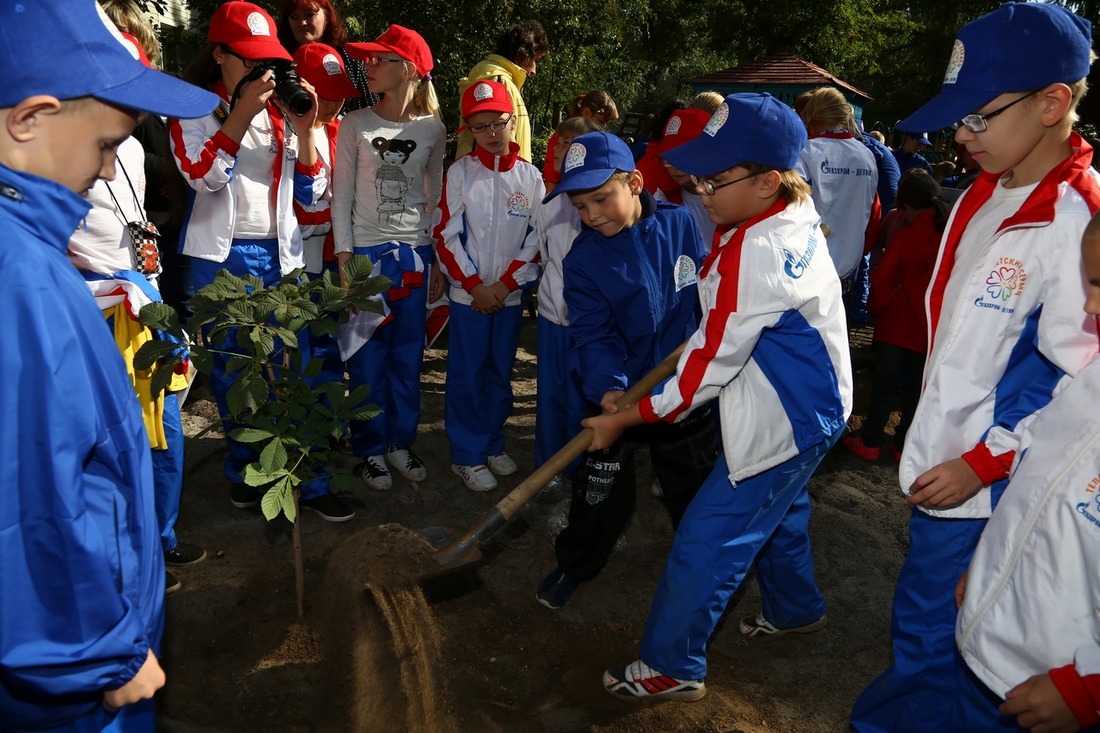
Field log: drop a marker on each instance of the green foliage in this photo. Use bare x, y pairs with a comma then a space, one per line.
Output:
288, 421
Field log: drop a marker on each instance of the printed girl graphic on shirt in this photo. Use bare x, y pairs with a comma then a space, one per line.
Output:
391, 179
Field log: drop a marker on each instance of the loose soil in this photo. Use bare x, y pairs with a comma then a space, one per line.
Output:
474, 652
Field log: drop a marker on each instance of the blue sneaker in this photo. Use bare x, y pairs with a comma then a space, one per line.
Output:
556, 588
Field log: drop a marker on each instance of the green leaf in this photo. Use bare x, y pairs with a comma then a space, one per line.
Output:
160, 317
152, 352
273, 456
250, 435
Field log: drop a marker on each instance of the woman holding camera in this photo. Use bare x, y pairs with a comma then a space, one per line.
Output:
247, 162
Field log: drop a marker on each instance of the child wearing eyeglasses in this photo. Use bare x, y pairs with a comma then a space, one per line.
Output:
630, 290
490, 197
1006, 325
387, 179
772, 348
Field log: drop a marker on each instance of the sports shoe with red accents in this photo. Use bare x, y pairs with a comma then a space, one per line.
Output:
855, 445
639, 681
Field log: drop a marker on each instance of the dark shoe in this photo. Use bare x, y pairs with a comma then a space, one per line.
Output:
760, 627
171, 584
330, 508
639, 681
855, 445
244, 496
556, 588
184, 553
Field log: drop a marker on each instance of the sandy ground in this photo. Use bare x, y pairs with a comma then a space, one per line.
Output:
481, 655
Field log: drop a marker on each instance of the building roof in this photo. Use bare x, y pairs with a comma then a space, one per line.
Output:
784, 69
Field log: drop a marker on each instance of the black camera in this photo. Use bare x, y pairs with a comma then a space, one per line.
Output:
287, 86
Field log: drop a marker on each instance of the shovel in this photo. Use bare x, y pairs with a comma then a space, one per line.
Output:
465, 549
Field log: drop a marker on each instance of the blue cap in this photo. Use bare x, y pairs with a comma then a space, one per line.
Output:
746, 128
1020, 47
590, 161
69, 49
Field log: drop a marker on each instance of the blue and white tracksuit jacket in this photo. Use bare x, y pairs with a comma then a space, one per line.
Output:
1014, 335
559, 405
81, 565
1034, 582
632, 298
485, 214
773, 348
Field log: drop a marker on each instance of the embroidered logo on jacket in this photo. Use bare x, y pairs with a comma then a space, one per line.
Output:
518, 203
685, 272
1090, 509
1006, 279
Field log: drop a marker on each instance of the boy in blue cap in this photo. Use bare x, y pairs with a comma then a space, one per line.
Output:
630, 291
82, 571
1006, 325
772, 345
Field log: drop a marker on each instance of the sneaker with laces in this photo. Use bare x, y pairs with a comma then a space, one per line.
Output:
171, 584
329, 507
854, 444
184, 553
639, 681
556, 588
758, 626
502, 464
476, 478
244, 496
374, 473
407, 463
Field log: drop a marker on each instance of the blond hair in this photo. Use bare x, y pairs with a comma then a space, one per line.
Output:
708, 101
128, 17
425, 98
792, 186
825, 108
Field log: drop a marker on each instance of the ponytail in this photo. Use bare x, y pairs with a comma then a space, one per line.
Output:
425, 98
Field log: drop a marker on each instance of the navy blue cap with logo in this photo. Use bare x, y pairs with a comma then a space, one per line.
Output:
746, 128
1020, 47
590, 161
69, 49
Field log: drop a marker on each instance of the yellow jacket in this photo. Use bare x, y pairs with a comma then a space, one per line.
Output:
512, 77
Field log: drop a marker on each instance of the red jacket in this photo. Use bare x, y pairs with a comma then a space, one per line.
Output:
899, 282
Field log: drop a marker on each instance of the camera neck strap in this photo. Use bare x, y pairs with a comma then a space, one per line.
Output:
138, 208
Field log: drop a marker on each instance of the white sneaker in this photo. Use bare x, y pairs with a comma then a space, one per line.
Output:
502, 464
407, 464
476, 478
374, 473
639, 681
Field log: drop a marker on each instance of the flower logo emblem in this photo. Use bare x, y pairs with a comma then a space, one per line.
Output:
1002, 282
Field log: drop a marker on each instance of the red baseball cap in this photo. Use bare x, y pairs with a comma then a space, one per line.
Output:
406, 43
321, 65
248, 30
683, 126
485, 96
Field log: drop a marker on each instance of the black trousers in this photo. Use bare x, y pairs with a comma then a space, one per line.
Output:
605, 486
898, 374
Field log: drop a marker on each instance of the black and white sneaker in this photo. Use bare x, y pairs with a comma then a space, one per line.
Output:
761, 628
407, 464
639, 681
329, 507
374, 473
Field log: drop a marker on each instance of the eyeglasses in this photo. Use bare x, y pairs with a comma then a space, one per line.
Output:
980, 123
379, 60
248, 63
494, 126
707, 188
